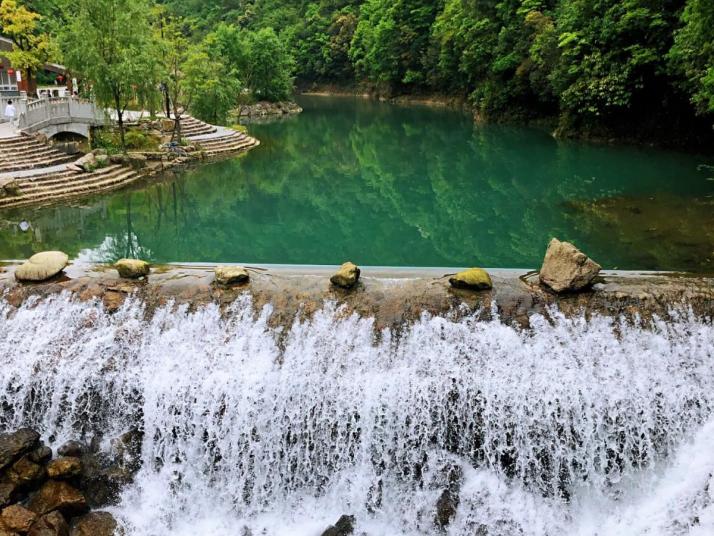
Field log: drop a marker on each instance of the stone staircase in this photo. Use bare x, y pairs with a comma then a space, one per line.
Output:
233, 142
191, 126
38, 175
62, 185
21, 153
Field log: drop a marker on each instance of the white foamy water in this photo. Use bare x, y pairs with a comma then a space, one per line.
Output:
571, 428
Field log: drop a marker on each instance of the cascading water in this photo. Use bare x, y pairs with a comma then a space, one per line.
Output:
573, 427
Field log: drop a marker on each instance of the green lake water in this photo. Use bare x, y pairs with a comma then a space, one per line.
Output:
385, 185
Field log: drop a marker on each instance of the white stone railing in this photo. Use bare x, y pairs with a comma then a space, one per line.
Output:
42, 113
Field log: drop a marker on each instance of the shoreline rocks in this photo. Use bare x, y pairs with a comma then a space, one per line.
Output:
566, 268
42, 266
265, 109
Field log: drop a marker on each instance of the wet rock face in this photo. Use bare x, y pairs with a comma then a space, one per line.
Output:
451, 478
94, 524
132, 268
74, 449
24, 473
566, 268
42, 266
16, 444
445, 508
64, 467
17, 518
17, 471
347, 276
472, 279
344, 526
52, 524
57, 495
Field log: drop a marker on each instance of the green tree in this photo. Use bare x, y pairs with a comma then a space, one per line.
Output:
391, 41
269, 69
692, 56
212, 85
32, 47
611, 52
109, 43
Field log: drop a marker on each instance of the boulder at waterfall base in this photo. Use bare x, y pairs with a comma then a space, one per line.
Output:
16, 444
17, 518
52, 524
57, 495
344, 526
566, 268
94, 524
64, 467
42, 266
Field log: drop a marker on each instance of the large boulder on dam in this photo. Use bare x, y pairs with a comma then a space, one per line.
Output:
231, 275
566, 268
472, 279
347, 276
132, 268
42, 266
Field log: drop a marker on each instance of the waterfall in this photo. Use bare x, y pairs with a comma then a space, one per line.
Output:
573, 427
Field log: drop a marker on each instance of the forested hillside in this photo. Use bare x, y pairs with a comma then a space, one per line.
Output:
641, 69
590, 62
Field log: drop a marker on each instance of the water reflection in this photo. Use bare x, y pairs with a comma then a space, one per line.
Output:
386, 185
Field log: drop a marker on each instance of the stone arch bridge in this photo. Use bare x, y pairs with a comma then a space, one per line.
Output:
57, 115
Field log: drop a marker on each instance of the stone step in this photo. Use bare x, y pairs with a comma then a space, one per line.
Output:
60, 158
220, 143
64, 178
222, 140
84, 183
197, 130
232, 148
30, 143
17, 140
29, 152
80, 189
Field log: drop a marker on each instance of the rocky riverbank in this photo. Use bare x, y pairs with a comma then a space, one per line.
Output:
46, 495
264, 109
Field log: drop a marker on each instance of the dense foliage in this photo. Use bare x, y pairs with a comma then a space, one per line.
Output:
593, 63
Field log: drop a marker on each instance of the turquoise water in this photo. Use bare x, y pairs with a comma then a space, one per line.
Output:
397, 185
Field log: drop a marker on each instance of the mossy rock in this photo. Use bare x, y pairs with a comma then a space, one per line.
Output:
132, 268
347, 276
472, 279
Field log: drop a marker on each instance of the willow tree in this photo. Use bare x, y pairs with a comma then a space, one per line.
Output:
32, 48
110, 44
